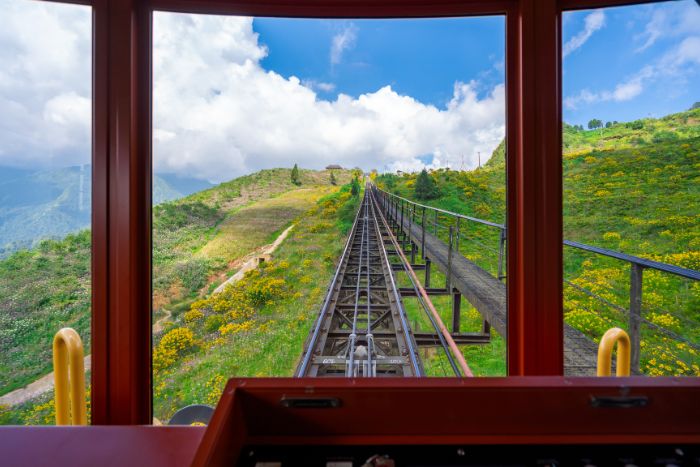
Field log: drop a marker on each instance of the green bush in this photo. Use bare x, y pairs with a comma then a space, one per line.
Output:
213, 323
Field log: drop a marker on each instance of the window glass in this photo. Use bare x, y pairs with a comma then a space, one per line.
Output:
287, 154
631, 165
45, 197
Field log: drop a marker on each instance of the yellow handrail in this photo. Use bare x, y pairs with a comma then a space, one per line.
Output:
607, 343
68, 358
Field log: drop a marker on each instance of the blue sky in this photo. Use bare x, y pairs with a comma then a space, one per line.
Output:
420, 58
649, 54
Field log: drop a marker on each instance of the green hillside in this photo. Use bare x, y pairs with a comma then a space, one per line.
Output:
634, 188
257, 326
48, 287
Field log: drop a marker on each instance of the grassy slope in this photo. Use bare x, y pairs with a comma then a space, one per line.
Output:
48, 287
632, 188
201, 235
41, 291
258, 326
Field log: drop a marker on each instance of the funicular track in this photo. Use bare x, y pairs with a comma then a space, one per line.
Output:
362, 329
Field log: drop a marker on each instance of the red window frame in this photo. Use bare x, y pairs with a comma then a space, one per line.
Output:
121, 222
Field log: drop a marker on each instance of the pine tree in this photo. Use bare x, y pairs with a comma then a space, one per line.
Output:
425, 186
355, 187
295, 175
334, 182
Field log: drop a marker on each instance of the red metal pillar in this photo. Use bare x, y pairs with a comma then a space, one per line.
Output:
535, 321
121, 256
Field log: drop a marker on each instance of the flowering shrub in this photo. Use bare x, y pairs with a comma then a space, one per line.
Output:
663, 360
611, 236
320, 227
235, 328
265, 289
42, 414
588, 322
215, 386
193, 315
172, 344
213, 322
664, 320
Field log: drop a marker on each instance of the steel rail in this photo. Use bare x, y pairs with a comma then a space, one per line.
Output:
442, 330
412, 352
368, 334
328, 354
308, 354
435, 325
350, 371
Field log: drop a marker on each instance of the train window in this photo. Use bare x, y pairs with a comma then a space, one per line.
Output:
326, 193
45, 199
631, 153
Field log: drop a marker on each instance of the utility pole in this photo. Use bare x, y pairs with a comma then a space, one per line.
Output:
479, 154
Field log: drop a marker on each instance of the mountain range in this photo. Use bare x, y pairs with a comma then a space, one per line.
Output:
51, 203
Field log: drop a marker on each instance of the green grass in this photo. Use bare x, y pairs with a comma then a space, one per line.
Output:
41, 291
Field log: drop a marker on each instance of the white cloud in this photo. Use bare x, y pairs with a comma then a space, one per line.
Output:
318, 85
670, 20
45, 83
623, 91
593, 22
218, 113
674, 66
686, 53
259, 119
342, 41
653, 30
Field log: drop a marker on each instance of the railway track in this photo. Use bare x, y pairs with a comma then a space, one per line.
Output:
362, 329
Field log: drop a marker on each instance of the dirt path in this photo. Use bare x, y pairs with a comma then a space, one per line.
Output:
45, 383
158, 325
35, 389
252, 260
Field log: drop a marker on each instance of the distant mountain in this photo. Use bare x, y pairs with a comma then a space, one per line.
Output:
52, 203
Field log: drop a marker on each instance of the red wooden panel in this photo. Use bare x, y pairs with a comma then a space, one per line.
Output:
535, 265
339, 8
588, 4
99, 446
121, 378
534, 410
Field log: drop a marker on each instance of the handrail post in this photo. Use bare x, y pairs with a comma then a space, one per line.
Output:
607, 343
422, 235
435, 224
635, 318
501, 252
457, 237
71, 408
448, 281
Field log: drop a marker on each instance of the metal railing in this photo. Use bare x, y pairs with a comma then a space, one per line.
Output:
429, 217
